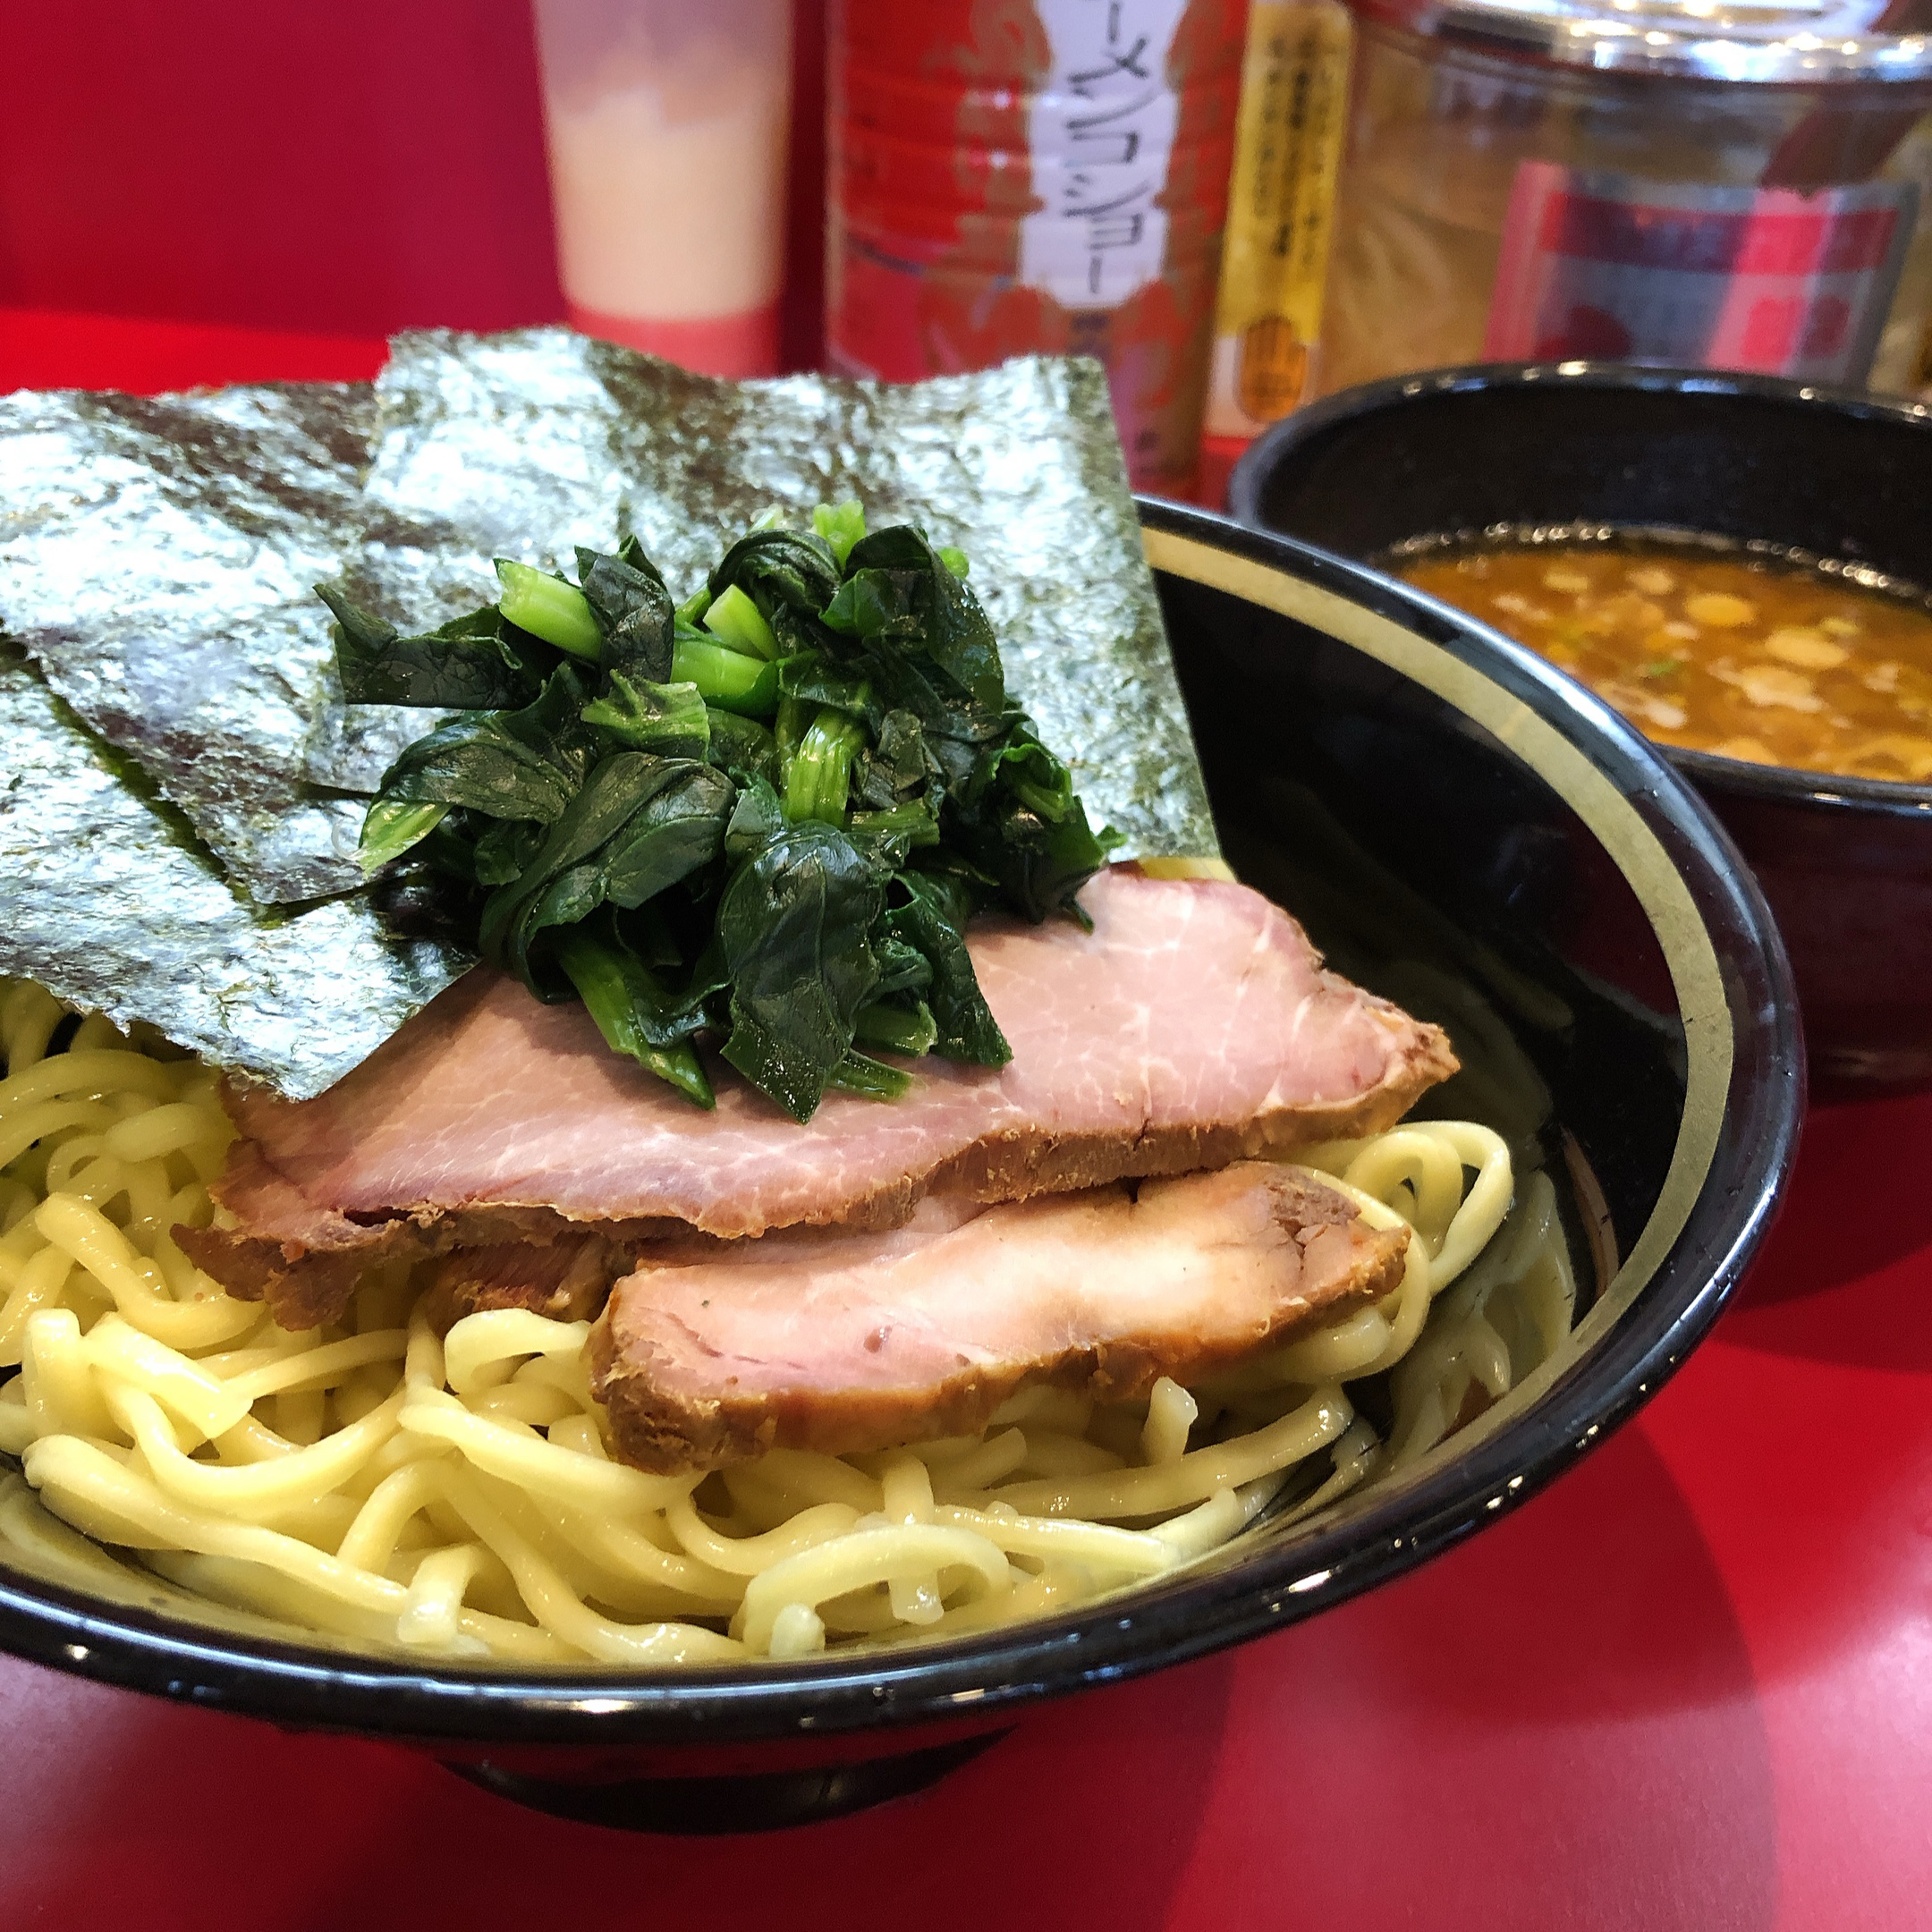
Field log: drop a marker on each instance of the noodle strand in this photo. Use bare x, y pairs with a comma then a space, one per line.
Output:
455, 1495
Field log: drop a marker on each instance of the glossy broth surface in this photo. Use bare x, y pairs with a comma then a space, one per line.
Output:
1715, 651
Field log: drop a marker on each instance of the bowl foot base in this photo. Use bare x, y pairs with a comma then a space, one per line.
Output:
754, 1801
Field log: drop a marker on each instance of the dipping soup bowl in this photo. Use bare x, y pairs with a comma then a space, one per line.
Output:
1834, 475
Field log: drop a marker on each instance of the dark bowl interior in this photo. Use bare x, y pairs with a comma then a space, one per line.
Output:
1843, 477
1461, 827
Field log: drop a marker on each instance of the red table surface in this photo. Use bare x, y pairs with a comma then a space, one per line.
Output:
1688, 1686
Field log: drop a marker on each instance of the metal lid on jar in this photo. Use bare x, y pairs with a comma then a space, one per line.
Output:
1794, 42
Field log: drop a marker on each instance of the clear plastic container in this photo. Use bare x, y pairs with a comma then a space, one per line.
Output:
1744, 187
668, 126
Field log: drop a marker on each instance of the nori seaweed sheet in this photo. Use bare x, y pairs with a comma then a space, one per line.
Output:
156, 559
114, 904
157, 556
527, 443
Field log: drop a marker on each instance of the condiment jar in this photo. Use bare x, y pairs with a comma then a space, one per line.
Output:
667, 129
1013, 176
1281, 207
1734, 186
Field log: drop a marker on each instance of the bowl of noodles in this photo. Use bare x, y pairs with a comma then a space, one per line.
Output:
1737, 564
420, 1534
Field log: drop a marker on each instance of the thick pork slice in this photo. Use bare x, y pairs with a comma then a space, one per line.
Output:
864, 1342
1193, 1027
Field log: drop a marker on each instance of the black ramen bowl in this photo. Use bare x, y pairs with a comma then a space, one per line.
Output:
1783, 467
1458, 825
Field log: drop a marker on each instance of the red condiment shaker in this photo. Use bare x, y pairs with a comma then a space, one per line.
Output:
1006, 176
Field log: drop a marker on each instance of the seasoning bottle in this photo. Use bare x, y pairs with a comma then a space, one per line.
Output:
668, 127
1013, 175
1280, 208
1739, 187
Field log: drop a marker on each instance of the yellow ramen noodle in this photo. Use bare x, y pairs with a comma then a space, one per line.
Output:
456, 1496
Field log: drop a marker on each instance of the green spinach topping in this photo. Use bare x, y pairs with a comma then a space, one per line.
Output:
766, 815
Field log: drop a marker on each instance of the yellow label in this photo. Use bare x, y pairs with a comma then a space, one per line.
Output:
1281, 211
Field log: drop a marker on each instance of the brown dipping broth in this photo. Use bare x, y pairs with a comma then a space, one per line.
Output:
1713, 649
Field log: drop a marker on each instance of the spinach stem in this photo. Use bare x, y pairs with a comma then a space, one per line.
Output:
1037, 798
726, 678
819, 775
900, 1029
550, 608
738, 621
872, 1079
914, 818
794, 719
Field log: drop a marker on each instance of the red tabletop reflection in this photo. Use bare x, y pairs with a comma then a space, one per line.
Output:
1690, 1686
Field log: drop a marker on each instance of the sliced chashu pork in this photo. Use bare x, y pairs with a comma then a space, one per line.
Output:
1193, 1027
857, 1342
565, 1279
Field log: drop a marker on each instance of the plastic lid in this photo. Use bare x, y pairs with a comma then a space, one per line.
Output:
1813, 42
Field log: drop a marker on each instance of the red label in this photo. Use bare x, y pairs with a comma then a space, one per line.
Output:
1612, 265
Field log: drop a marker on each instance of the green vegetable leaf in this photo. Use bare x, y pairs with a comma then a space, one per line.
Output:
676, 828
897, 832
794, 925
779, 570
359, 631
526, 764
756, 820
638, 838
1040, 863
899, 769
876, 603
640, 824
635, 1010
476, 663
871, 1080
500, 853
633, 609
742, 747
669, 719
903, 966
911, 593
392, 827
812, 678
1021, 823
897, 1027
1024, 768
927, 913
451, 848
882, 623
